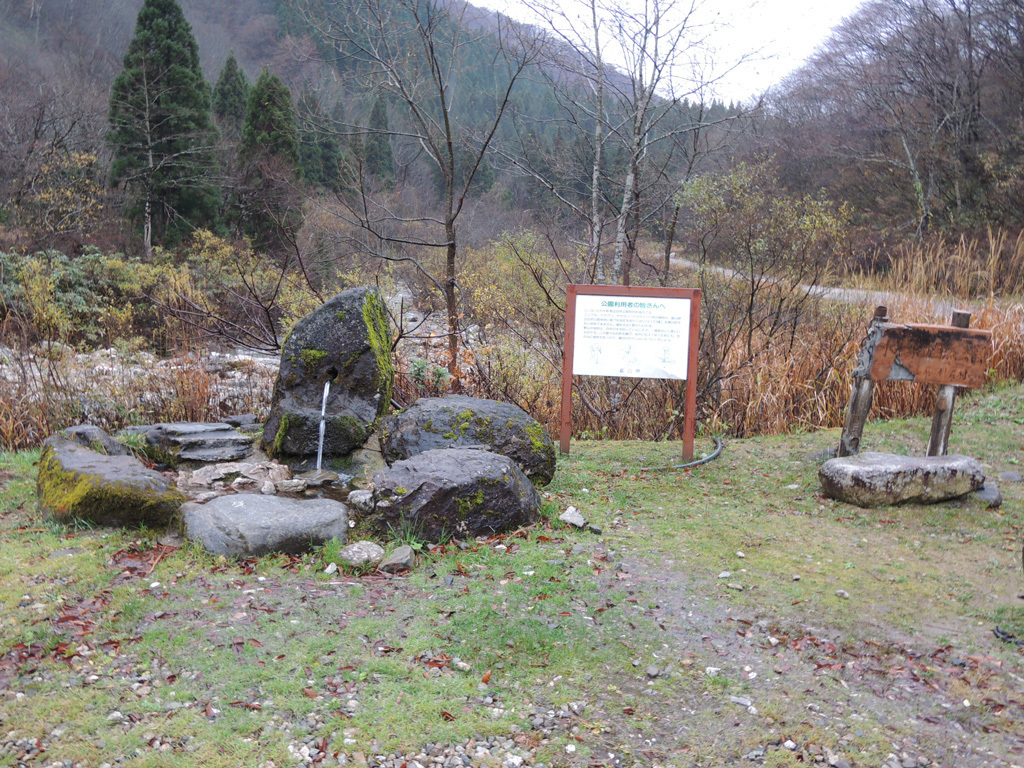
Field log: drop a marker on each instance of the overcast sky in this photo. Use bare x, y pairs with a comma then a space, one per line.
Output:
785, 31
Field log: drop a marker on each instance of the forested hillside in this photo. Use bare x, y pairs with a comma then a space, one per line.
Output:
180, 176
912, 112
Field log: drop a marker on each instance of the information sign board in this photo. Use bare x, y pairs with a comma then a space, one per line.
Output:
640, 337
649, 333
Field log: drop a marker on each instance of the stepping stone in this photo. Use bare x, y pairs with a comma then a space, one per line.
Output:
883, 479
195, 442
248, 524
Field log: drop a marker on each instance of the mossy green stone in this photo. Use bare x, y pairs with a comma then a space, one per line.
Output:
457, 420
379, 331
345, 344
77, 484
313, 358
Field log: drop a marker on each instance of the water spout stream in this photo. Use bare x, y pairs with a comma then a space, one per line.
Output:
323, 423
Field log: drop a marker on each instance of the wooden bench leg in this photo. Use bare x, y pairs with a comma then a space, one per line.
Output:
942, 420
863, 388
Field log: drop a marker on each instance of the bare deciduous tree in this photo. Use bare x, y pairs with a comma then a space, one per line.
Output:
624, 77
417, 53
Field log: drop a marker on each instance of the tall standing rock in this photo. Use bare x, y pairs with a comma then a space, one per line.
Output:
346, 342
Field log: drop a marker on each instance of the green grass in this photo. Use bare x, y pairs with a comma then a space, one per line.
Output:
231, 663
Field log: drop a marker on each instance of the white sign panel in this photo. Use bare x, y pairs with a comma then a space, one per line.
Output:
641, 337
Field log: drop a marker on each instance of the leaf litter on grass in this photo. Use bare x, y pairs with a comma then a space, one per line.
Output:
614, 650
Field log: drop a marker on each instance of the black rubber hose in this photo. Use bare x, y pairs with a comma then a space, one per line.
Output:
719, 446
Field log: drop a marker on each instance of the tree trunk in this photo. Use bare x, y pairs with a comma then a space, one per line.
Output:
451, 302
147, 230
620, 236
669, 237
596, 220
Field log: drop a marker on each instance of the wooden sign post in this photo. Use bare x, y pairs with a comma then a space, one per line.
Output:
650, 333
948, 355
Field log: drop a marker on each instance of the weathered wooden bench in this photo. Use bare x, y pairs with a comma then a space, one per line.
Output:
948, 355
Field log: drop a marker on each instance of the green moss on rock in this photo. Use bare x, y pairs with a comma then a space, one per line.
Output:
471, 504
141, 498
312, 358
539, 440
378, 331
345, 427
289, 422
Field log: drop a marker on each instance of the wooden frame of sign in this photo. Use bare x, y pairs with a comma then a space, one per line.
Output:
651, 333
951, 356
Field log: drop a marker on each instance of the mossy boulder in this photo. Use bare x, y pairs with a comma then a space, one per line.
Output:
76, 483
346, 342
459, 492
458, 421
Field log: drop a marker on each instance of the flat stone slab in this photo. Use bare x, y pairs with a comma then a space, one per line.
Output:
78, 483
875, 479
195, 442
249, 524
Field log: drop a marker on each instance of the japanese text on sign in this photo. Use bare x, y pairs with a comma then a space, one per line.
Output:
622, 336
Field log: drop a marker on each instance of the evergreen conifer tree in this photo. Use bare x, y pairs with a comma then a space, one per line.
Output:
380, 161
320, 155
270, 205
269, 127
231, 94
160, 128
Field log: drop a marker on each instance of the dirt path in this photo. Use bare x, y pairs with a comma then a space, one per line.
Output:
938, 307
794, 692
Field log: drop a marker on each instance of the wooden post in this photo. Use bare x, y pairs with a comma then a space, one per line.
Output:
942, 420
690, 405
565, 429
863, 387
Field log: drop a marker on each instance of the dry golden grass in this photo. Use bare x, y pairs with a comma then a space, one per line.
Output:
968, 268
797, 380
39, 398
808, 387
767, 385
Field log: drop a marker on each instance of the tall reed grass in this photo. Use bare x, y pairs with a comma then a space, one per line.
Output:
782, 387
967, 268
